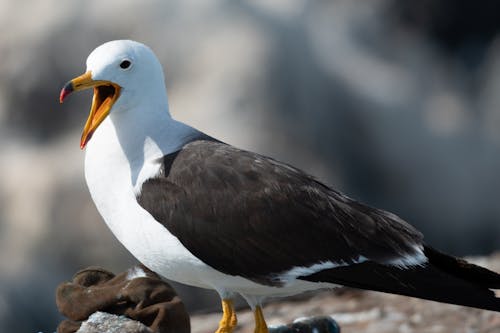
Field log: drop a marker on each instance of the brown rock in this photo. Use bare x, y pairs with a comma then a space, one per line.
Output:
138, 293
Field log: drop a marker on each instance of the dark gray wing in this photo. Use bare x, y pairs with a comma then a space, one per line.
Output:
249, 215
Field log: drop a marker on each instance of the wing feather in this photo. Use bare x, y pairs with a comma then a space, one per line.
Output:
249, 215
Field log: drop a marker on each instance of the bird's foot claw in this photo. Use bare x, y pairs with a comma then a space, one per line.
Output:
226, 329
229, 319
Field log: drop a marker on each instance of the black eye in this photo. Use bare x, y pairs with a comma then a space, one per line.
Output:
125, 64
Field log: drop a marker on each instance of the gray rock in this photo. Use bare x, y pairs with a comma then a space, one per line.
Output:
102, 322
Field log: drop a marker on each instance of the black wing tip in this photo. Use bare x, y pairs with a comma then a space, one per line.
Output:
463, 269
443, 279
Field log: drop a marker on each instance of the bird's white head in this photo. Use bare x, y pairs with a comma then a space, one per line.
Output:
123, 74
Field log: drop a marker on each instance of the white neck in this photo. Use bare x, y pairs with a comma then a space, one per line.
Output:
137, 139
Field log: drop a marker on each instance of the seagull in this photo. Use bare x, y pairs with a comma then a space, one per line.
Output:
205, 213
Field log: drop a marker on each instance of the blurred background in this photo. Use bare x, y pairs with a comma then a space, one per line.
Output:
396, 103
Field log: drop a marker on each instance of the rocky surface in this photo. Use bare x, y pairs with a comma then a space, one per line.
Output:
102, 322
367, 312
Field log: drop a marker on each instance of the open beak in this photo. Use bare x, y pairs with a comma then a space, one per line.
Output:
105, 95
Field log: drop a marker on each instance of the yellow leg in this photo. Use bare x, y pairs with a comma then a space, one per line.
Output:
229, 320
260, 322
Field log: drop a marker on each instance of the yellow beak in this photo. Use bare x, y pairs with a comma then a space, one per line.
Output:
105, 95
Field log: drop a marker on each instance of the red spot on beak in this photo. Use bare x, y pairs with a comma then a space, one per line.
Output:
65, 91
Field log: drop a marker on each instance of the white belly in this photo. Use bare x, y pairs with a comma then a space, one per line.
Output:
137, 230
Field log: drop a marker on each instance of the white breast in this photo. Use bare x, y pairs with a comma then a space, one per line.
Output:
110, 181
